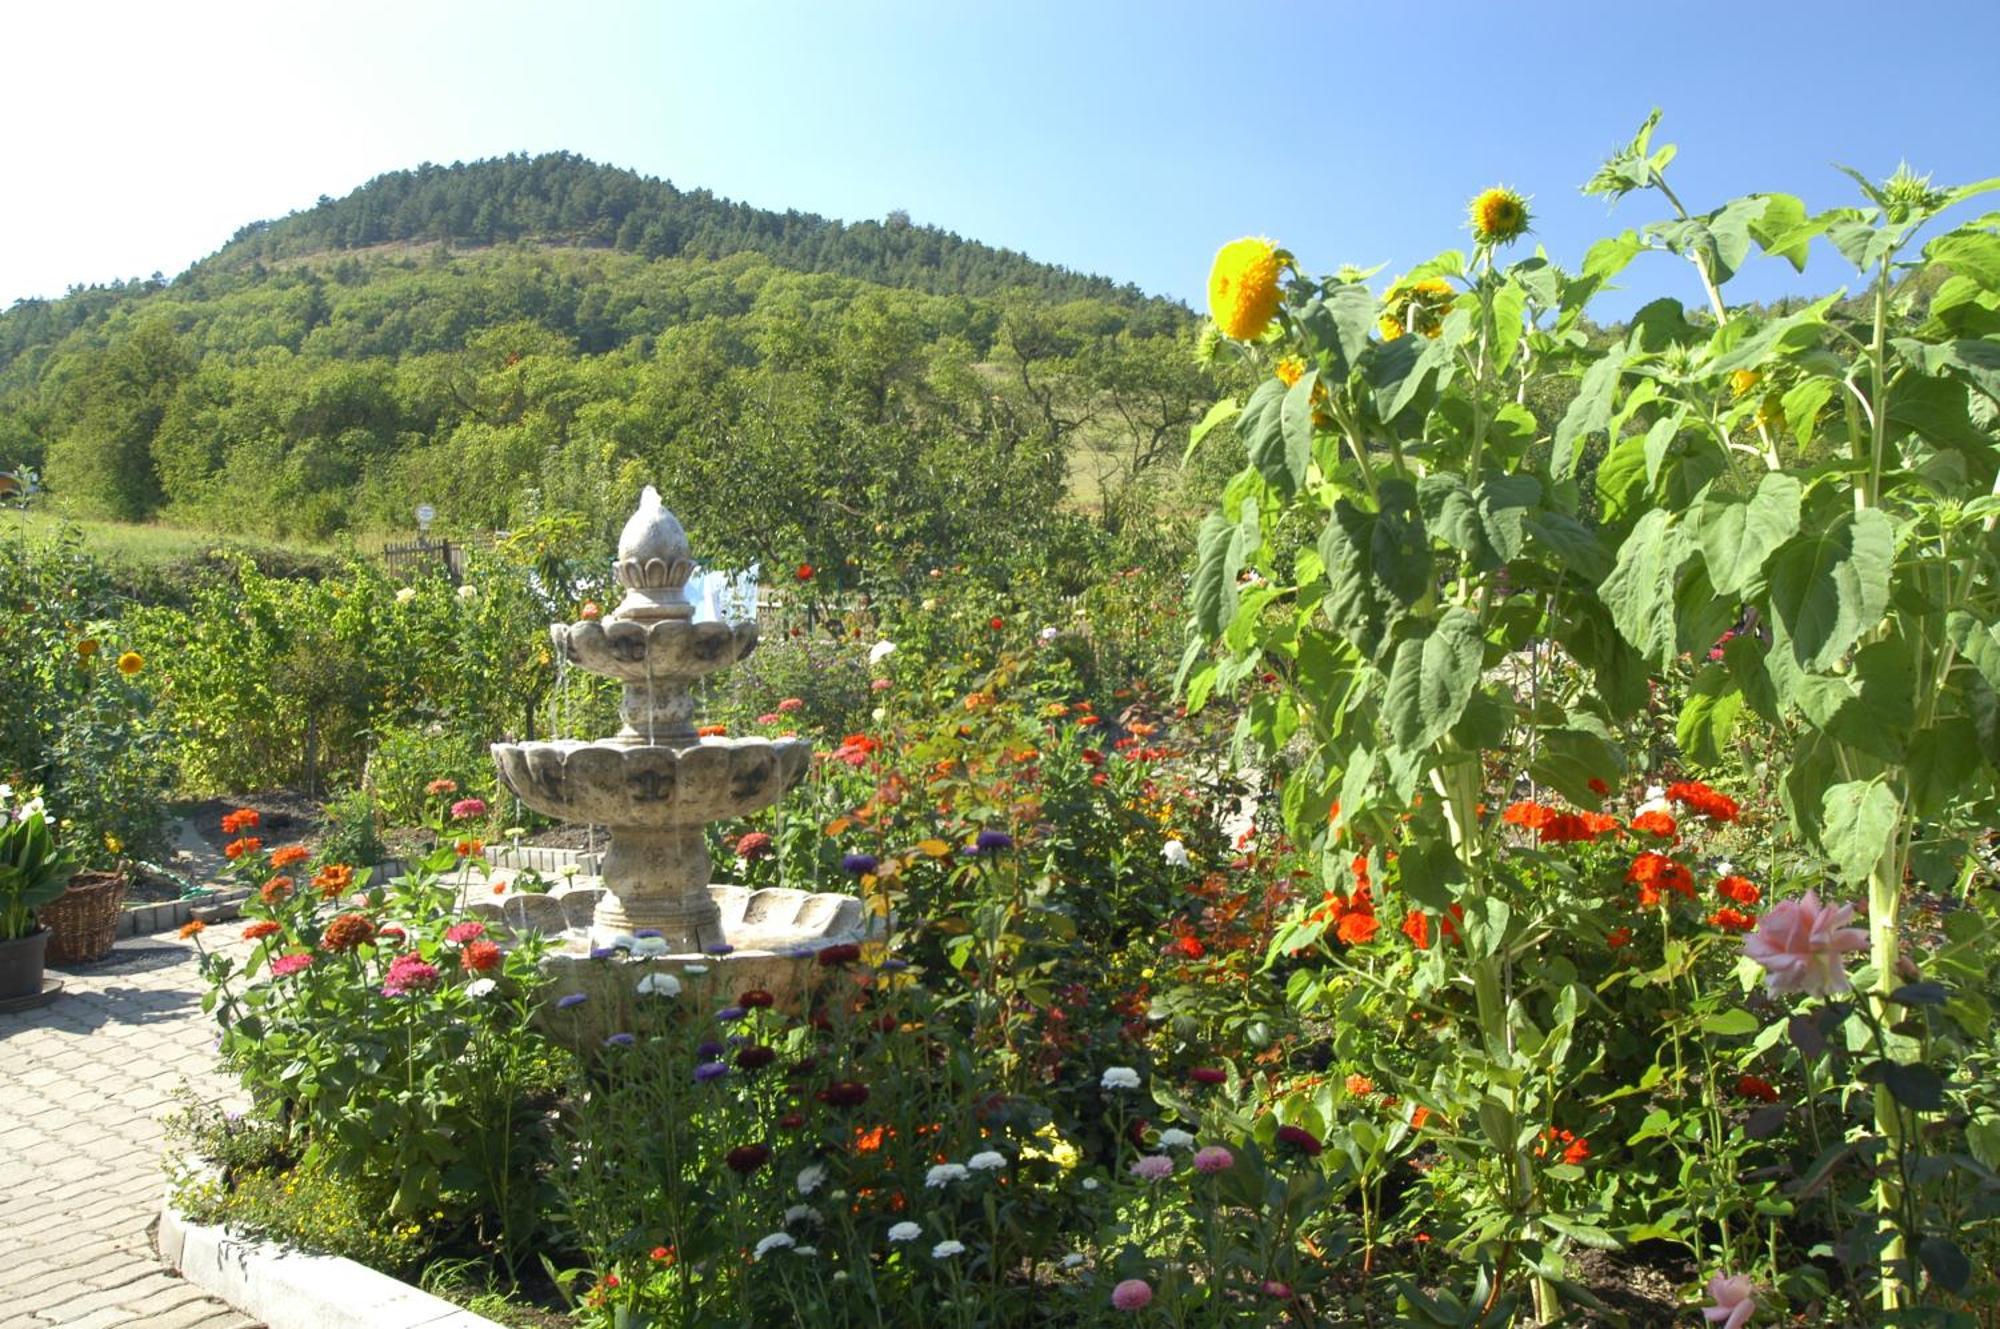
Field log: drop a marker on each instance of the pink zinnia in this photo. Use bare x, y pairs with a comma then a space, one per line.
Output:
1134, 1294
789, 705
1801, 943
408, 974
460, 933
1154, 1167
753, 846
768, 717
1733, 1306
284, 966
467, 808
1280, 1291
1213, 1159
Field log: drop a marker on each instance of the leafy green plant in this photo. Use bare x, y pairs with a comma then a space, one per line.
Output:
34, 869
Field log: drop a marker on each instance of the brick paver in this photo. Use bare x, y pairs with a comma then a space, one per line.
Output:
85, 1085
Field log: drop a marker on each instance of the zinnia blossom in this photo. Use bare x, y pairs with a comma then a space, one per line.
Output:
408, 974
479, 957
274, 890
243, 819
332, 879
1738, 889
1655, 823
235, 849
286, 855
753, 845
1801, 944
1134, 1294
1153, 1167
1753, 1086
437, 788
261, 929
1654, 873
1705, 801
131, 663
1213, 1159
190, 928
747, 1158
1300, 1139
1732, 920
284, 966
1243, 287
347, 932
467, 808
460, 933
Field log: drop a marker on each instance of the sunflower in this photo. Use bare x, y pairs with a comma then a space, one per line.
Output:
131, 663
1499, 216
1290, 370
1743, 380
1418, 305
1243, 287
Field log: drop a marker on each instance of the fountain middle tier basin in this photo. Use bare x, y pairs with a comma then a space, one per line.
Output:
634, 652
626, 784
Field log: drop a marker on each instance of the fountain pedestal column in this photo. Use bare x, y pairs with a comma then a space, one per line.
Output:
656, 879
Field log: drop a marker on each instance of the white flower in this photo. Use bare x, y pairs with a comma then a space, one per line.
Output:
467, 591
774, 1241
805, 1250
1074, 1260
1119, 1077
694, 970
811, 1178
1048, 634
944, 1250
480, 987
881, 651
905, 1232
649, 946
623, 941
659, 985
567, 870
1090, 1183
1173, 1137
1656, 801
802, 1213
1723, 867
987, 1160
34, 807
407, 594
879, 714
944, 1174
1175, 853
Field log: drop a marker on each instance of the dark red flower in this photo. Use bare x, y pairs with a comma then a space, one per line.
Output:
756, 999
1294, 1137
1209, 1075
833, 957
843, 1094
791, 1121
1752, 1086
756, 1057
747, 1158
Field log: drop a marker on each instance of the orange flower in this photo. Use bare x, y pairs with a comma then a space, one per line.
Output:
1618, 937
1359, 1086
1655, 822
191, 927
332, 879
261, 929
288, 855
479, 956
274, 890
1418, 1116
1652, 873
1739, 889
712, 731
235, 849
347, 932
243, 819
1732, 920
1579, 1149
470, 848
1704, 800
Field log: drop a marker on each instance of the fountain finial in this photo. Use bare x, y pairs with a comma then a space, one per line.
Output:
654, 563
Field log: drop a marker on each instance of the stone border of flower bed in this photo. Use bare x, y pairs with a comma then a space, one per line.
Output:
289, 1289
141, 920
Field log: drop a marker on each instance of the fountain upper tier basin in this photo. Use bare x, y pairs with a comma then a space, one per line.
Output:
634, 652
641, 785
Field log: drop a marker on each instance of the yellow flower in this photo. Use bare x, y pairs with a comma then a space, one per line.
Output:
112, 844
1243, 287
1743, 380
1420, 302
1290, 370
1499, 216
1389, 328
1771, 412
87, 647
131, 663
1057, 1150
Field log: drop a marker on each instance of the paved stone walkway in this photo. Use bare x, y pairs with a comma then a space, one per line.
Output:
85, 1084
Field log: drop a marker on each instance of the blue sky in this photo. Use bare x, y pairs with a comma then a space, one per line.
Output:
1129, 139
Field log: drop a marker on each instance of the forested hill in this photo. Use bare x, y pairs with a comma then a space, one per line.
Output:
560, 198
530, 338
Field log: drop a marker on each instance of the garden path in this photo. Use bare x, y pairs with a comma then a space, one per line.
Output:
85, 1085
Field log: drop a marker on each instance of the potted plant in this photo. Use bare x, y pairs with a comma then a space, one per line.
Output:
34, 870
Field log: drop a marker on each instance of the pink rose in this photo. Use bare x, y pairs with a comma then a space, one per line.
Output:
1213, 1159
1134, 1294
1800, 944
1733, 1306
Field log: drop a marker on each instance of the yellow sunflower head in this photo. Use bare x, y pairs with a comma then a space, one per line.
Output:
131, 663
1499, 216
1743, 380
1243, 287
1290, 370
1390, 328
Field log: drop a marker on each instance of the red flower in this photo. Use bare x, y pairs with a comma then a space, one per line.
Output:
479, 956
844, 953
1417, 926
1579, 1149
747, 1158
1751, 1086
347, 932
1302, 1140
996, 623
1208, 1075
756, 1057
1092, 757
262, 928
235, 849
843, 1094
1738, 889
664, 1254
1576, 827
756, 999
1598, 786
1618, 937
1704, 800
752, 846
805, 572
1655, 822
1652, 873
243, 819
1732, 920
791, 1121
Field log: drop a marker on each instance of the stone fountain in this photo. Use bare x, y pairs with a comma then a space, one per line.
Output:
655, 785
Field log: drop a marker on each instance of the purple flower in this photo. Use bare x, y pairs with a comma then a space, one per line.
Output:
1153, 1167
860, 865
603, 952
731, 1013
1213, 1159
649, 932
620, 1041
710, 1070
709, 1050
570, 1001
895, 964
720, 949
992, 842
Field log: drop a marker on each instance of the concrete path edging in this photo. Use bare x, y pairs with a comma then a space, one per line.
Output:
289, 1289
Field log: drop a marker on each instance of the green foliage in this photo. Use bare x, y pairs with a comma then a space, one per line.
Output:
34, 870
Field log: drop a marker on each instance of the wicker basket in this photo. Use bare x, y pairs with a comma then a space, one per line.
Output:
83, 920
